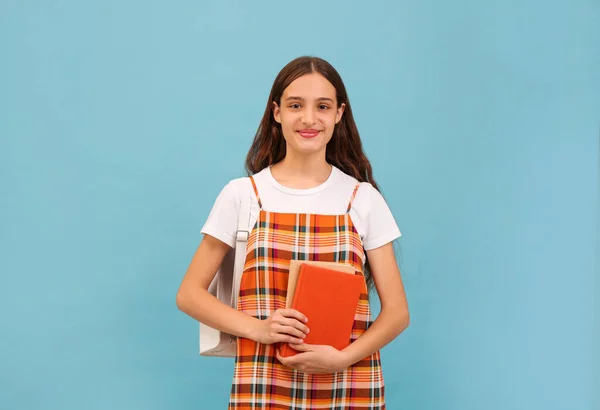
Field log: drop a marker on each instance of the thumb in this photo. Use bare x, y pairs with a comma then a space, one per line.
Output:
303, 347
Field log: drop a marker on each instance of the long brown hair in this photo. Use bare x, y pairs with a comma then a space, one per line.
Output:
344, 150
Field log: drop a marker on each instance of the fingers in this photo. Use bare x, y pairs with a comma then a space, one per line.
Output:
291, 361
287, 326
295, 362
291, 317
284, 360
285, 338
302, 347
290, 330
293, 313
296, 325
285, 334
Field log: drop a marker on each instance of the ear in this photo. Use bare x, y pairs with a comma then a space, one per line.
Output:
276, 112
340, 112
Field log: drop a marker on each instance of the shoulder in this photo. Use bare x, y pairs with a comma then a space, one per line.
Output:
238, 187
366, 198
222, 221
371, 214
365, 191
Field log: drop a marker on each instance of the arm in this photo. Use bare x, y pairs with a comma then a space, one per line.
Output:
394, 316
392, 320
194, 299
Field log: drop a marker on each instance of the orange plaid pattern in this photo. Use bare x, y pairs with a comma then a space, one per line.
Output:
260, 381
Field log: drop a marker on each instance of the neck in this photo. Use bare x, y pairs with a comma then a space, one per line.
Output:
302, 171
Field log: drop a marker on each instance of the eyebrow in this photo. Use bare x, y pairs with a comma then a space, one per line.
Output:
302, 99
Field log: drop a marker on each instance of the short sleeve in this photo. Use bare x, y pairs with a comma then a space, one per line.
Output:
222, 219
381, 226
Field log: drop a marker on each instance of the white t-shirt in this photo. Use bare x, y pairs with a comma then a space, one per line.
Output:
370, 213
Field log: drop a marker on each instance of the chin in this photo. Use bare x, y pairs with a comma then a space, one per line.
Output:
308, 146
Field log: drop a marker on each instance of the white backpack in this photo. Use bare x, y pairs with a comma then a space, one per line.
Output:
226, 286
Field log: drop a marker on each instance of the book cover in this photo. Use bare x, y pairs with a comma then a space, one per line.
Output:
328, 298
295, 269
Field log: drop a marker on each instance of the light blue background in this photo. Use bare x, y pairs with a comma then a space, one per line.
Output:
121, 121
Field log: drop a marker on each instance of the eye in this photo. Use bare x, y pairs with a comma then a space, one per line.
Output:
294, 105
323, 107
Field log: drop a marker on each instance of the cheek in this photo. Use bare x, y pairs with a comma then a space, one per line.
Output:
329, 121
288, 120
288, 126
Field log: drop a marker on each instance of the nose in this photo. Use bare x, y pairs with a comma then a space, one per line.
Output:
308, 117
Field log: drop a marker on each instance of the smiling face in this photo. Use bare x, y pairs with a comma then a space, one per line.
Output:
308, 114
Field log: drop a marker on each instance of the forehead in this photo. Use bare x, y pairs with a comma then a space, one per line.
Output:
310, 86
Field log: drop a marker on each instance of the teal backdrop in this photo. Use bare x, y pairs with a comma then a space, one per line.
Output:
120, 121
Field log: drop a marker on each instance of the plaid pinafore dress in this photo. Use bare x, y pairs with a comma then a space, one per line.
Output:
260, 381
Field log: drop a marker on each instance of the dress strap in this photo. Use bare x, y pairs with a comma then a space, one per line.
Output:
255, 191
352, 198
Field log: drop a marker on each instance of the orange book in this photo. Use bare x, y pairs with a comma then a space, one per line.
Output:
328, 298
295, 265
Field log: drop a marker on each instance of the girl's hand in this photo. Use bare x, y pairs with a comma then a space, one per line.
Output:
316, 359
283, 326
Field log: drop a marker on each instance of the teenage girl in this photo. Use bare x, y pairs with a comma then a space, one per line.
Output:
314, 199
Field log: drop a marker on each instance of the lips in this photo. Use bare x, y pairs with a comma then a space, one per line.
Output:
308, 133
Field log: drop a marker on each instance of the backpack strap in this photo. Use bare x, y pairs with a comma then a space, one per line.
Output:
242, 234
